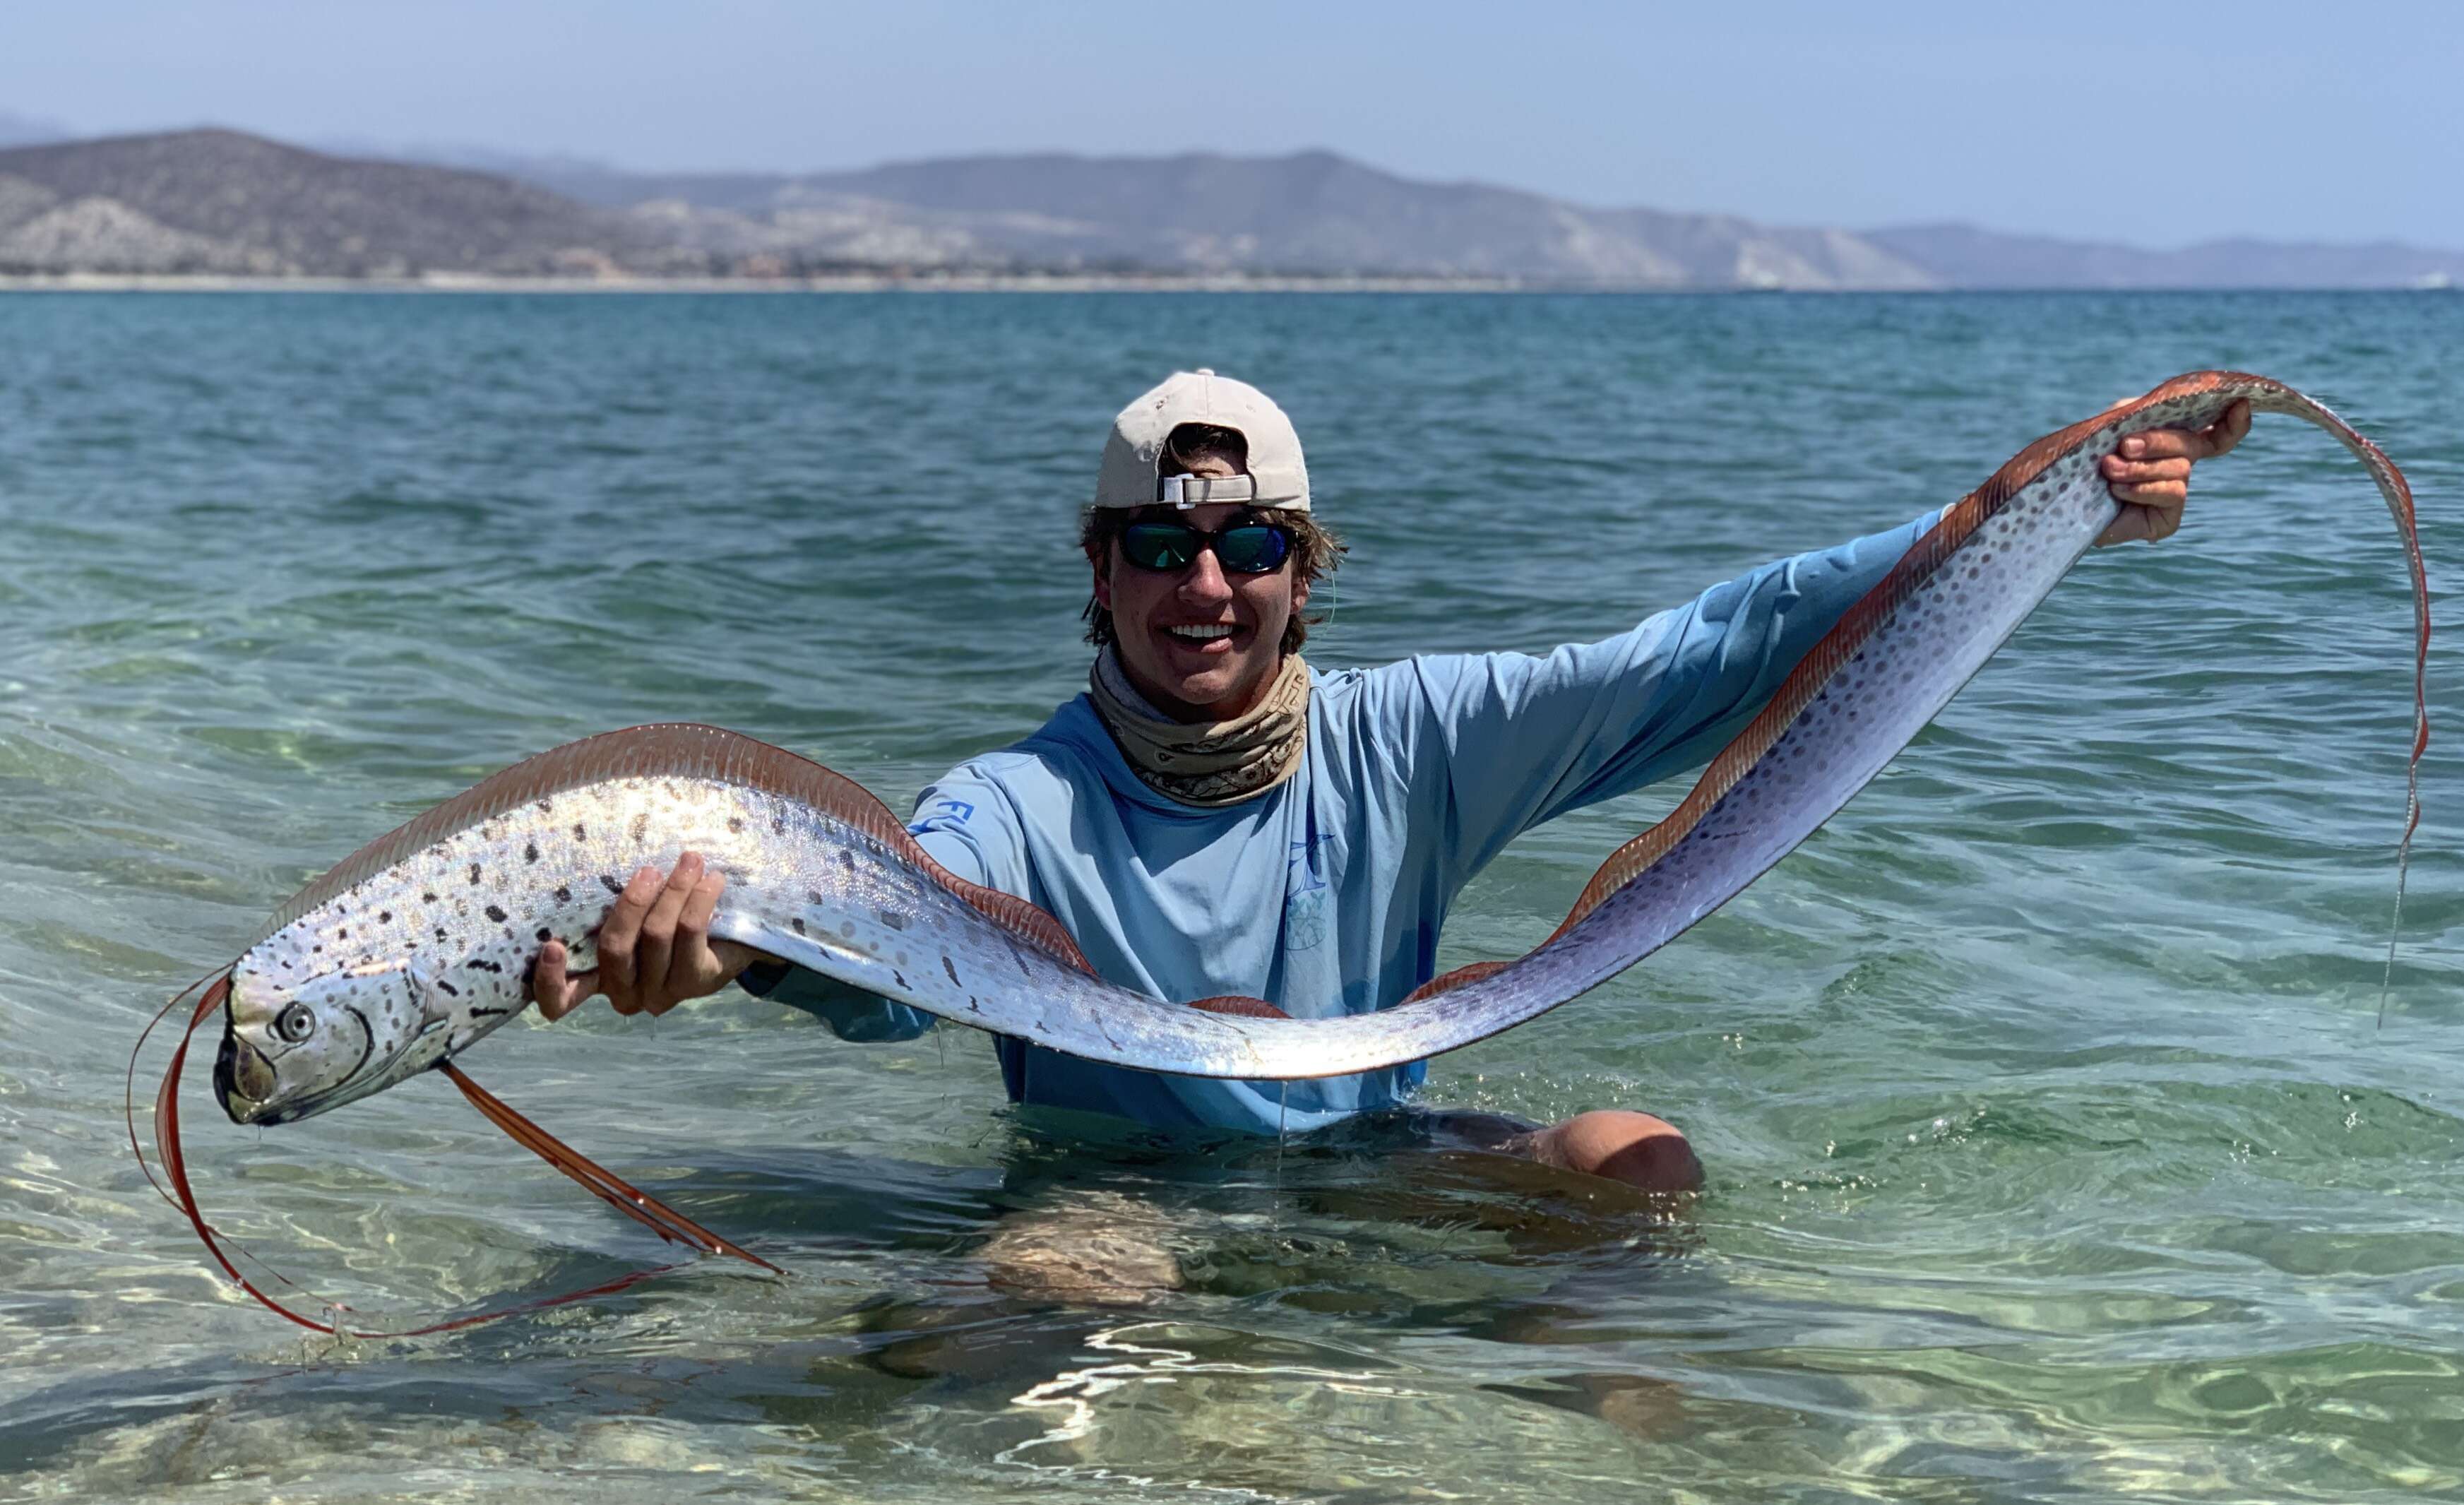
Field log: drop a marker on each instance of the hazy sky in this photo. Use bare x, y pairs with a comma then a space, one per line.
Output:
2150, 123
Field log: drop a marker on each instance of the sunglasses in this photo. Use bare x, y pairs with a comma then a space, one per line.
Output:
1247, 548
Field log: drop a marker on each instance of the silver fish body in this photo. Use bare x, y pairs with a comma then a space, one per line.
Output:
418, 946
422, 959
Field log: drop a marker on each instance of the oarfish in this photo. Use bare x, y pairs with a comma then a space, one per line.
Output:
417, 946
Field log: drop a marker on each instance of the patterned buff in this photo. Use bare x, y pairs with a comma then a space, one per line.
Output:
1211, 763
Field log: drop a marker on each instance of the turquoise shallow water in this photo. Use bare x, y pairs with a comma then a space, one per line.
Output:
2054, 1153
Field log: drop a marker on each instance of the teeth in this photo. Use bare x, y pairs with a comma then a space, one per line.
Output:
1200, 635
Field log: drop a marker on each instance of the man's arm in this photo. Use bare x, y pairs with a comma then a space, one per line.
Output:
1529, 739
852, 1015
1523, 739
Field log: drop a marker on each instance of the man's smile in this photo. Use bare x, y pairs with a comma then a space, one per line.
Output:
1206, 638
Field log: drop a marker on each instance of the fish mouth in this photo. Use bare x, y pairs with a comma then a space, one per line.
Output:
244, 1079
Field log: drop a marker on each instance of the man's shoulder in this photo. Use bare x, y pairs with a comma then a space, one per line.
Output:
1058, 754
1384, 691
1353, 689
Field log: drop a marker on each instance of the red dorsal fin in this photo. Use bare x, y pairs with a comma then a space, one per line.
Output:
1030, 922
1238, 1004
1455, 979
675, 750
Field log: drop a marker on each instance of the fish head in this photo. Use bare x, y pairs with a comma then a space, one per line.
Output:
293, 1050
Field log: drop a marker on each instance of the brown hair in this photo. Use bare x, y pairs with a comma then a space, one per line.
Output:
1316, 548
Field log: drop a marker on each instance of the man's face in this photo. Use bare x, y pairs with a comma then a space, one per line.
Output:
1161, 620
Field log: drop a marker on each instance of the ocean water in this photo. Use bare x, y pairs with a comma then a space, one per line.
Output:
2055, 1148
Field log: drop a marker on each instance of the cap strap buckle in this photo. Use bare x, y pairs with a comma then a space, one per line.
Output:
1185, 492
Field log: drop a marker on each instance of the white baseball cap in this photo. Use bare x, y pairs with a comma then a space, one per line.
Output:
1131, 477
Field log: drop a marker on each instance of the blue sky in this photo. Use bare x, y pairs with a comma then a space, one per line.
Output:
2145, 122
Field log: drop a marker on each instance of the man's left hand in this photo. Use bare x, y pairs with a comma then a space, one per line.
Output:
2151, 476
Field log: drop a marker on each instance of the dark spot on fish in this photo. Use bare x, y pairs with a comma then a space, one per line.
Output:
318, 946
564, 895
846, 859
892, 918
610, 884
641, 826
495, 914
798, 925
900, 978
545, 935
778, 826
952, 967
485, 1011
440, 931
427, 898
342, 933
483, 965
474, 872
448, 989
530, 851
547, 807
384, 916
814, 897
735, 822
579, 835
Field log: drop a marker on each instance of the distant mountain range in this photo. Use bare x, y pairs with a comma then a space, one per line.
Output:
216, 202
1962, 256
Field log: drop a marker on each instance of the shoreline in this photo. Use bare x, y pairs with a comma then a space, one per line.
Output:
847, 282
451, 282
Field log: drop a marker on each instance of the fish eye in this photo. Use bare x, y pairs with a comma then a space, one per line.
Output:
296, 1022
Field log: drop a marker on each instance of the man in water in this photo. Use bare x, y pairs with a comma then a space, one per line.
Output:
1214, 817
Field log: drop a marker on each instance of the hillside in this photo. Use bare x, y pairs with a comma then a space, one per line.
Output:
1311, 213
1962, 256
222, 203
215, 201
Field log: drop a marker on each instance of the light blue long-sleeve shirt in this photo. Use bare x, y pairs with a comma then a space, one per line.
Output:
1325, 895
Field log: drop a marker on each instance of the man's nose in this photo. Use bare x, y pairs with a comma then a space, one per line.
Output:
1204, 580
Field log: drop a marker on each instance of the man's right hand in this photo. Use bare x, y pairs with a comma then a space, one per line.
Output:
655, 948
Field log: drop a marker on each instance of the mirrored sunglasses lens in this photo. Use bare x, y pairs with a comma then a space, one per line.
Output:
1252, 548
1159, 545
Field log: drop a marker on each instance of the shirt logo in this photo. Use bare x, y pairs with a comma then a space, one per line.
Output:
1306, 897
957, 812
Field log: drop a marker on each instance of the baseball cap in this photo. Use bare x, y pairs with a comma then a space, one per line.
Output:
1128, 478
